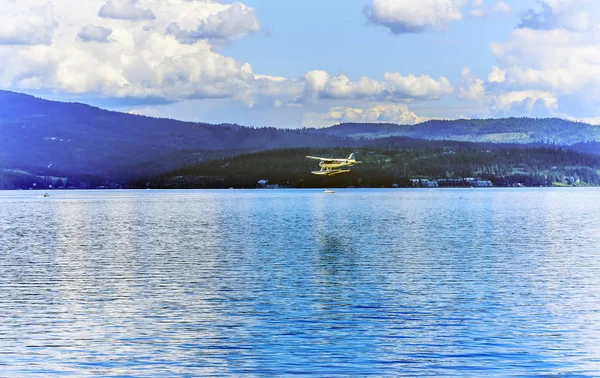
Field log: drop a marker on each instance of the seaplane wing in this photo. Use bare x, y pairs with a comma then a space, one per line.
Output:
327, 159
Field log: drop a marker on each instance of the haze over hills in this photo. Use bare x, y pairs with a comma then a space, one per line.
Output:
504, 130
49, 138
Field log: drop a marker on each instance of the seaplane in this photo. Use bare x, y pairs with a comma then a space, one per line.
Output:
332, 167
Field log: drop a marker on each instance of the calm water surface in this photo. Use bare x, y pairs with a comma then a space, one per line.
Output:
498, 282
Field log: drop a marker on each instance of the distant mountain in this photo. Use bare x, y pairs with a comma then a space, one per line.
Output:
49, 137
506, 130
56, 139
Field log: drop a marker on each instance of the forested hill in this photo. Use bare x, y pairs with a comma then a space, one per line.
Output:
48, 138
70, 137
503, 165
505, 130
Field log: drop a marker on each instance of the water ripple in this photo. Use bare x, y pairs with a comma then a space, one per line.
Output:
365, 282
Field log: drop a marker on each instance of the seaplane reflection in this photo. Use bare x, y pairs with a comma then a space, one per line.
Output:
336, 257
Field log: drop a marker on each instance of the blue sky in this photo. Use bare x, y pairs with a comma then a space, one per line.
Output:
308, 63
334, 36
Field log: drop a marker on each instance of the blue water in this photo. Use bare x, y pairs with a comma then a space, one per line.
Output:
484, 282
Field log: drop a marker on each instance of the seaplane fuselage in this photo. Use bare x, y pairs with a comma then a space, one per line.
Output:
332, 167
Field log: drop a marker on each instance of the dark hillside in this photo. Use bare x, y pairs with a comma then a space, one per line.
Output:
71, 137
40, 138
385, 167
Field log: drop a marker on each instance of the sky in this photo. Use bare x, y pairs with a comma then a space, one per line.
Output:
308, 63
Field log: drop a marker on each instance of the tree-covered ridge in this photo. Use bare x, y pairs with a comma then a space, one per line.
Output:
72, 137
503, 130
40, 138
504, 166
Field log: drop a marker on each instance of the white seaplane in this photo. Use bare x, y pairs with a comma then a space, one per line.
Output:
332, 167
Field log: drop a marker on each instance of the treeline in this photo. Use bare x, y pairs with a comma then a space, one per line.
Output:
501, 130
70, 137
390, 166
16, 179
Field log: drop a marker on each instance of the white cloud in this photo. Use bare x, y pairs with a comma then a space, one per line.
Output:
556, 59
554, 52
141, 61
409, 16
472, 88
531, 102
395, 113
27, 26
395, 86
91, 33
576, 15
125, 10
235, 21
315, 83
412, 86
497, 75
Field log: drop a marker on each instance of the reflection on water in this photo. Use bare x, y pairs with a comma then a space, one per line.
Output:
364, 282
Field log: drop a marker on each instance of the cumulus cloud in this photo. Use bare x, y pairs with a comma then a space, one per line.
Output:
497, 75
29, 26
496, 99
140, 62
125, 10
411, 86
553, 52
532, 102
395, 113
395, 86
557, 59
543, 19
472, 88
149, 62
91, 33
234, 22
409, 16
577, 15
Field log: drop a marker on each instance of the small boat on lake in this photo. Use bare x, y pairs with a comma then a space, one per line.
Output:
327, 191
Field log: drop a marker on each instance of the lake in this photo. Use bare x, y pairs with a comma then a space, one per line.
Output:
440, 282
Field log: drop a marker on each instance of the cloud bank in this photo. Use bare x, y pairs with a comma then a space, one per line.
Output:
395, 86
28, 26
399, 113
155, 51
